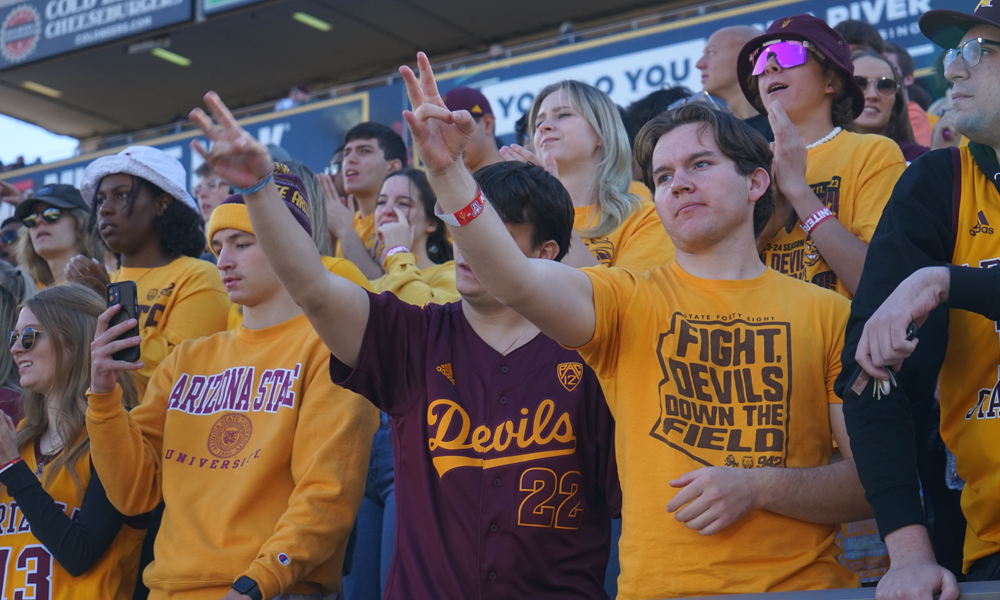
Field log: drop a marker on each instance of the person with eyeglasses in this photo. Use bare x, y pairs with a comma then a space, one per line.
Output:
8, 235
927, 308
210, 191
832, 184
63, 537
59, 227
580, 138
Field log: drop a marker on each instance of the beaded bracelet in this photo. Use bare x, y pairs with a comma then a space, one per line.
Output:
256, 187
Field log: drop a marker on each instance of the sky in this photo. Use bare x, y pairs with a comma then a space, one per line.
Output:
18, 137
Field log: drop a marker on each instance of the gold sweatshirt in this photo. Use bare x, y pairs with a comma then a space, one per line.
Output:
179, 301
259, 458
434, 284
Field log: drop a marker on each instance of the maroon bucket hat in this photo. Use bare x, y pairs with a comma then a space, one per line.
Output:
820, 35
946, 28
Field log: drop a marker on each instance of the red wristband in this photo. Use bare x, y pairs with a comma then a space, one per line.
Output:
394, 250
10, 464
467, 214
810, 222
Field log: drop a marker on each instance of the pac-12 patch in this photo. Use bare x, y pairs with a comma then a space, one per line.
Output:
283, 559
569, 375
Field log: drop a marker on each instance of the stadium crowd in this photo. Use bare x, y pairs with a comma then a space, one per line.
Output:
561, 368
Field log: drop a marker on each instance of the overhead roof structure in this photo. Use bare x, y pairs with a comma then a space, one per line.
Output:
259, 51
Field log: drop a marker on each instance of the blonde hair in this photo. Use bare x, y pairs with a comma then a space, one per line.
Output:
86, 233
614, 171
68, 315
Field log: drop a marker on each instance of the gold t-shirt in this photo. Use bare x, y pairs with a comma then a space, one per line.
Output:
853, 175
365, 226
716, 373
640, 242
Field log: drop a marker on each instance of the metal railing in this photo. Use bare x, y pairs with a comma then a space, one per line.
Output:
977, 590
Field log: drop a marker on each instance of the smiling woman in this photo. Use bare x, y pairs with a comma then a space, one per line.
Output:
82, 547
885, 111
144, 213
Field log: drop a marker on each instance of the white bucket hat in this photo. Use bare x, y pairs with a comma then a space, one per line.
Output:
152, 164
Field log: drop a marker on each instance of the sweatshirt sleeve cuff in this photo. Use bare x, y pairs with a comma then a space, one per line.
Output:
18, 478
267, 583
897, 507
975, 290
105, 406
400, 259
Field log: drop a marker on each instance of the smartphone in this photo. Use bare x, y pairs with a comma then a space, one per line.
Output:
124, 293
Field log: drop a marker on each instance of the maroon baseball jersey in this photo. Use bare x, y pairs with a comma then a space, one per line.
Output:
505, 471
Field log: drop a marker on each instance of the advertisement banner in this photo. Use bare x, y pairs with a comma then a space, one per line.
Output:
38, 29
309, 133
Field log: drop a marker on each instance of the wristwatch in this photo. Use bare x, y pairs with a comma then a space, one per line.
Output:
248, 587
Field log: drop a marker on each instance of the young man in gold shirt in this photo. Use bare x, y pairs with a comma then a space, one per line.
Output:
259, 459
718, 370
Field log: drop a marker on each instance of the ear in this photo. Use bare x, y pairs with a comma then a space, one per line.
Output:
489, 124
394, 165
162, 202
547, 250
759, 182
908, 80
835, 82
431, 226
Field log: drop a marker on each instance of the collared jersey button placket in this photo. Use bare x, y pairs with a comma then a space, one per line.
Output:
494, 528
504, 369
493, 576
503, 399
497, 482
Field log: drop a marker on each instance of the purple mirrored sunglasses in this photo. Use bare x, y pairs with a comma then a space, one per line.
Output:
788, 54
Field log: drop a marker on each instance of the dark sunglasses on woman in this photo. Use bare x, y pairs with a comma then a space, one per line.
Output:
27, 337
9, 237
49, 215
883, 85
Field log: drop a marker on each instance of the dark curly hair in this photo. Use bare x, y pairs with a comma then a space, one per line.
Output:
181, 228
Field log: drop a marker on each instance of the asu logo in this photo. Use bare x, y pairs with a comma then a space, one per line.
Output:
229, 435
151, 294
983, 226
445, 370
786, 23
812, 252
984, 4
569, 375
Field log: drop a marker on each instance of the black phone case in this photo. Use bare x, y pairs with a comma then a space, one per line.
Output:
130, 310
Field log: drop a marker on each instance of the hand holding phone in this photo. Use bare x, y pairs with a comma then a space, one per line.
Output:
124, 293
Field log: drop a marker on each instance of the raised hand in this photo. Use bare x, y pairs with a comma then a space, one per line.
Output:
88, 272
439, 134
339, 210
236, 156
398, 233
104, 369
10, 194
518, 153
789, 170
8, 439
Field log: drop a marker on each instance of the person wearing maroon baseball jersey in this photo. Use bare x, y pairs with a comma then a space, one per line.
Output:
506, 480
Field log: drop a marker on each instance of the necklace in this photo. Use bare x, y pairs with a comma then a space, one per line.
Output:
515, 339
836, 131
46, 459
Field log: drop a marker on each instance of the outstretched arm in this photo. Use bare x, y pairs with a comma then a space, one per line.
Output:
336, 308
557, 298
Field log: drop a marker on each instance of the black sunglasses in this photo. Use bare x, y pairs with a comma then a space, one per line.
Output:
27, 337
883, 85
50, 215
9, 237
